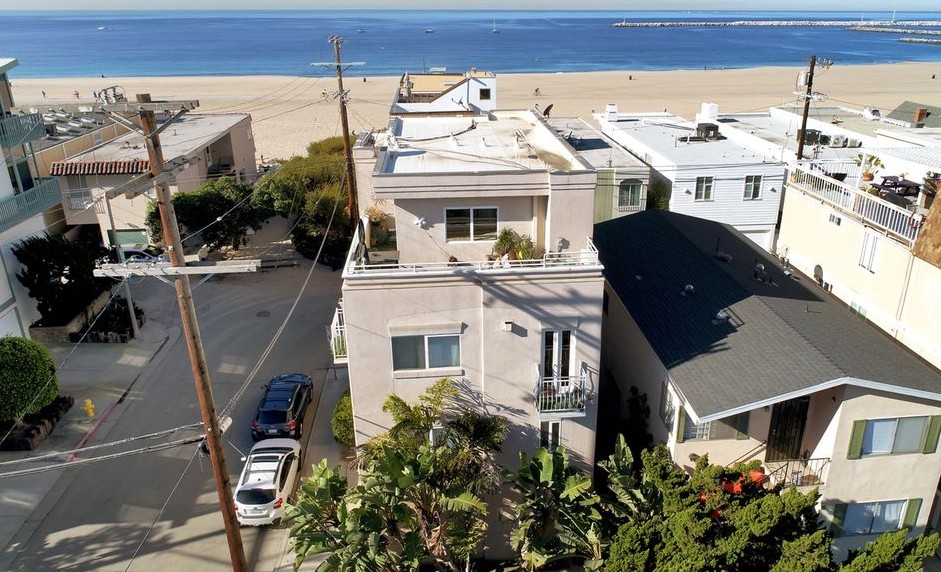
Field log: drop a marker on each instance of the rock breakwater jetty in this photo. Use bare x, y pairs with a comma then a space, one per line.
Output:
776, 23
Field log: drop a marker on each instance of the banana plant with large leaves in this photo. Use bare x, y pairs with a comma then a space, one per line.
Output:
557, 514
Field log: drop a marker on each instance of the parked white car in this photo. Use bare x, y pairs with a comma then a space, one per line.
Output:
268, 479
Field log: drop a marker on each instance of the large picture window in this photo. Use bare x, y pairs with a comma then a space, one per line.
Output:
470, 224
894, 436
426, 352
873, 517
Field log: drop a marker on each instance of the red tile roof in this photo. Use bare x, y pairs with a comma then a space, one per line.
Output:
131, 167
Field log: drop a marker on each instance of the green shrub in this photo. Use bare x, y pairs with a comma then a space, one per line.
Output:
27, 377
342, 421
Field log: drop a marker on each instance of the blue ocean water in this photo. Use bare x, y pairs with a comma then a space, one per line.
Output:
163, 43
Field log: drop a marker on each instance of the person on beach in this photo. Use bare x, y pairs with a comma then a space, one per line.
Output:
537, 92
75, 93
44, 94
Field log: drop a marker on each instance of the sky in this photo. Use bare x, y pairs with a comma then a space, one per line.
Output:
617, 5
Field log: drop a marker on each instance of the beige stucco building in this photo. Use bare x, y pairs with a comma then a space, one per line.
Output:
202, 147
425, 297
743, 360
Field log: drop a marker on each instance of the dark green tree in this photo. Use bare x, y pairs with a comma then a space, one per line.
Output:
221, 210
342, 421
28, 379
58, 274
419, 492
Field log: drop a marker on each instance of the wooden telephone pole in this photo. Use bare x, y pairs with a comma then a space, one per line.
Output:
808, 95
352, 207
194, 343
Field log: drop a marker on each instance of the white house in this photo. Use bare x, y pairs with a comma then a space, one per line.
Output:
704, 174
470, 93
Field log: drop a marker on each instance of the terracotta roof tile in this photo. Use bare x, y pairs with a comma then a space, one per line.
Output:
131, 167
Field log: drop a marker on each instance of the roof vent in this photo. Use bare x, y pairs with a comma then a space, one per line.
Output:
707, 131
688, 290
722, 317
611, 112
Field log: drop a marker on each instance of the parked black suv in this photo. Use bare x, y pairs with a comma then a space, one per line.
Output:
281, 410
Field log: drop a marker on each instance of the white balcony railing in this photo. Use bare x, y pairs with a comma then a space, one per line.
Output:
891, 219
561, 395
357, 263
337, 334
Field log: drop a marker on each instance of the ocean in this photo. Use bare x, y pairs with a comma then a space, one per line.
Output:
186, 43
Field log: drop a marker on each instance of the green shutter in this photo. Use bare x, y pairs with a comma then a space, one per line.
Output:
856, 439
911, 513
839, 515
680, 424
742, 425
931, 436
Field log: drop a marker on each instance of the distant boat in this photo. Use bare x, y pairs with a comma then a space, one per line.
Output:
102, 27
429, 30
360, 31
495, 30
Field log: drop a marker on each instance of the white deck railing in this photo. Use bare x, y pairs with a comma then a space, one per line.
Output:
878, 213
337, 333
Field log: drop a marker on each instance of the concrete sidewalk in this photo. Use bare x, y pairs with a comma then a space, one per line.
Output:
103, 373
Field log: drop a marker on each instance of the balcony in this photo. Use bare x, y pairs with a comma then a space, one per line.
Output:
895, 221
29, 203
17, 130
560, 396
337, 335
358, 264
797, 472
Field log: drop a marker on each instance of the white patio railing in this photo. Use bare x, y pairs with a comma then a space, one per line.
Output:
891, 219
337, 334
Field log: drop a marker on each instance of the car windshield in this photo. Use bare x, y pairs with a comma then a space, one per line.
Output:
269, 417
255, 496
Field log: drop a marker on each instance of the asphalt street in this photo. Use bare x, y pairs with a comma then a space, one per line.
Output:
159, 511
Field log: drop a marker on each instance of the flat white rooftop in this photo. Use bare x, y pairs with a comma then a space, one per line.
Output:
674, 139
597, 148
506, 141
187, 135
784, 136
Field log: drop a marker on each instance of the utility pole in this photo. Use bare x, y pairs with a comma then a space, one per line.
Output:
347, 147
808, 95
194, 343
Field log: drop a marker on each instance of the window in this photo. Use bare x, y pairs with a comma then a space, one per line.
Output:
550, 435
485, 94
875, 517
629, 193
557, 355
835, 219
734, 427
426, 352
867, 252
752, 187
470, 224
704, 188
667, 407
894, 436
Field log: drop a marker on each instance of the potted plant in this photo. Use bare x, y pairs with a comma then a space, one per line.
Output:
869, 164
506, 242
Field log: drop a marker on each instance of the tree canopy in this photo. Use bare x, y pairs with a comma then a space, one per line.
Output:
27, 377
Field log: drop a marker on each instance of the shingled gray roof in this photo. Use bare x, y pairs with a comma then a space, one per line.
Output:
784, 336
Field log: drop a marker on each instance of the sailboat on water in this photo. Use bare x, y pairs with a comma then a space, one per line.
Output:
495, 30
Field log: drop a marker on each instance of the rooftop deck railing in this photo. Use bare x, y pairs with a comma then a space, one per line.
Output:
878, 213
358, 265
16, 130
29, 203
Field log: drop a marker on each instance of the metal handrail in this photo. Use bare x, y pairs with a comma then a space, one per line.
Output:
19, 129
798, 472
29, 203
337, 333
881, 214
560, 393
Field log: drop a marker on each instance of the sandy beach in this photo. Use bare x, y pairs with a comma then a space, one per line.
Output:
290, 112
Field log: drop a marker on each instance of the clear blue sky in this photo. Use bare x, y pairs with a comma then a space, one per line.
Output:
619, 5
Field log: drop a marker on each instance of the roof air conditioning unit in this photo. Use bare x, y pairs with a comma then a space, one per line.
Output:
811, 136
707, 131
853, 142
838, 140
824, 139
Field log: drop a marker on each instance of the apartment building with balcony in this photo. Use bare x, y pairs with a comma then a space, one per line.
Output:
703, 173
425, 296
205, 146
623, 179
23, 200
743, 359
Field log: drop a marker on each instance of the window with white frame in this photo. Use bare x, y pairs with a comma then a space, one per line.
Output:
470, 224
426, 352
667, 407
752, 187
704, 188
550, 435
734, 427
867, 251
894, 436
629, 193
873, 517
